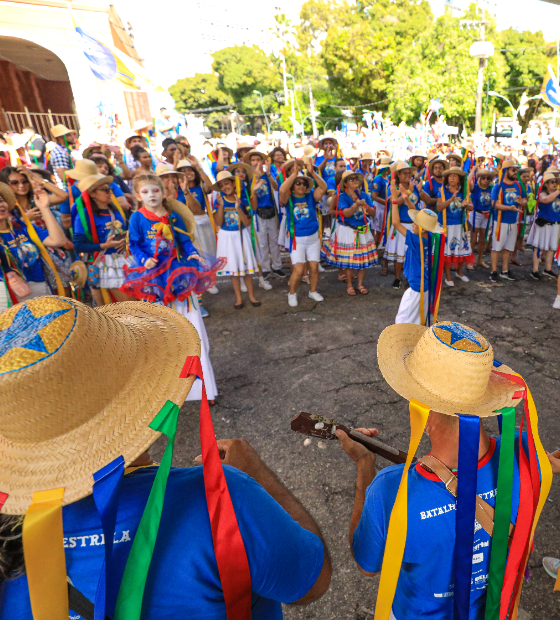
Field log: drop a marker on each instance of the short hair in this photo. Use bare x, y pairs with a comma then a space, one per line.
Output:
339, 159
167, 142
136, 151
277, 149
98, 157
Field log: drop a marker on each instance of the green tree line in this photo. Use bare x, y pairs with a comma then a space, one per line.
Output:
386, 55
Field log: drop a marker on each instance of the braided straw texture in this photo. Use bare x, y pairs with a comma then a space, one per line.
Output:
456, 379
108, 373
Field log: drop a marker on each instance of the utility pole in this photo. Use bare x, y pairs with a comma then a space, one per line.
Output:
312, 109
285, 80
482, 50
293, 112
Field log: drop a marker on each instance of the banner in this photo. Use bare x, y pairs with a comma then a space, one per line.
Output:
550, 91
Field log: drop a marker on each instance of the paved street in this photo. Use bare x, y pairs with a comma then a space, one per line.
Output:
273, 361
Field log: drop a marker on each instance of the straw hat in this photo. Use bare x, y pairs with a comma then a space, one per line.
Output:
60, 130
254, 152
437, 160
8, 195
242, 146
426, 219
222, 176
419, 154
447, 367
510, 163
83, 168
141, 124
165, 169
78, 273
183, 163
455, 170
49, 438
549, 176
349, 173
321, 147
290, 164
135, 135
89, 150
308, 152
399, 165
486, 173
387, 153
384, 162
308, 180
455, 156
249, 171
184, 213
91, 183
366, 155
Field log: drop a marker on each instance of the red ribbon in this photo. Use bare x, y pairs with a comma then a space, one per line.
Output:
229, 549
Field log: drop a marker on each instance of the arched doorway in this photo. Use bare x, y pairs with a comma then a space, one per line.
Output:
35, 89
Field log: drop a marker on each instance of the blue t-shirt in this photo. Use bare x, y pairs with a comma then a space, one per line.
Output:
104, 225
455, 211
76, 193
425, 587
435, 190
25, 251
264, 195
198, 193
412, 264
306, 221
331, 184
328, 171
183, 582
379, 186
344, 202
231, 217
550, 211
403, 209
510, 193
481, 199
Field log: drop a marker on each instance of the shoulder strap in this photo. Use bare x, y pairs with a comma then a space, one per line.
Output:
80, 604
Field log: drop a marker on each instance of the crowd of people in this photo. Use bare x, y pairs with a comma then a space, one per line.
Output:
82, 227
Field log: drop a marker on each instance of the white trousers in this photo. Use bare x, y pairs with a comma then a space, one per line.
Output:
409, 309
267, 234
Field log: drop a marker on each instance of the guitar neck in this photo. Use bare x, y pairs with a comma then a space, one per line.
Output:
376, 446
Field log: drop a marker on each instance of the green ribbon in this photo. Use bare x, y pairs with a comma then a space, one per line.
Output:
83, 219
502, 516
131, 592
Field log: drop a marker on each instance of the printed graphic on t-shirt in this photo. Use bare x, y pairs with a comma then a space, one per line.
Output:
484, 199
414, 199
556, 206
262, 191
301, 211
329, 169
231, 218
510, 197
455, 205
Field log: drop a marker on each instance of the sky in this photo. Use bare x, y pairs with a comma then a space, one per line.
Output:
178, 43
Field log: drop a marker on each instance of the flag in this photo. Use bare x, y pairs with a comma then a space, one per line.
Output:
550, 90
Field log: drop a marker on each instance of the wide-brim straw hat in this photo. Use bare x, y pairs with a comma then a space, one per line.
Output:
183, 163
135, 135
454, 170
89, 150
387, 153
165, 169
321, 144
399, 165
254, 152
426, 219
224, 175
83, 168
91, 183
349, 173
419, 154
239, 165
308, 152
308, 180
486, 173
8, 195
549, 176
509, 163
384, 162
288, 165
447, 367
366, 155
243, 145
438, 160
456, 156
60, 130
223, 147
78, 273
126, 359
184, 213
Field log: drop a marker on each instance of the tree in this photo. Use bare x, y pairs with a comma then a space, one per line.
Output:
198, 92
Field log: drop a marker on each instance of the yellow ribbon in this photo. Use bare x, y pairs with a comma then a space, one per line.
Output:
444, 213
43, 251
164, 229
105, 295
45, 563
422, 315
396, 534
118, 206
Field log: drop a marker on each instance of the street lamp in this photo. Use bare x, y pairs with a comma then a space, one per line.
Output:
256, 92
297, 102
523, 102
481, 50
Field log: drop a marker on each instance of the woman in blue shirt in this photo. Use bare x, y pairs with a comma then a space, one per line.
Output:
480, 183
452, 208
351, 246
546, 227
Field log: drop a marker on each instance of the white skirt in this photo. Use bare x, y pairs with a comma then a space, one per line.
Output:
3, 296
236, 247
194, 316
111, 274
544, 237
205, 239
379, 216
396, 245
283, 236
409, 308
457, 246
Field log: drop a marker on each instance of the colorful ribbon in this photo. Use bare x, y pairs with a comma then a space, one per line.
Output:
396, 534
45, 562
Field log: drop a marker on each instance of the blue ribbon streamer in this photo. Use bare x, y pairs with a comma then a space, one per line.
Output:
106, 489
469, 438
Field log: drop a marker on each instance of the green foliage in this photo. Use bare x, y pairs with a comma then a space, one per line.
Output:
201, 91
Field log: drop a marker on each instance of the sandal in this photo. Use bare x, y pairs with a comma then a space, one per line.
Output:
342, 278
385, 271
363, 290
350, 291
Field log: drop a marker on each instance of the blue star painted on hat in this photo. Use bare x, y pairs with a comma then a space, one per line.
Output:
460, 332
24, 331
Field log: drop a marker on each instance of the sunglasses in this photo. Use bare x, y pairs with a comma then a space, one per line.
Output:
14, 183
107, 190
299, 183
353, 179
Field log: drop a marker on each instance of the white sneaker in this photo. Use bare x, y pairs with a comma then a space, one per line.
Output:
556, 303
450, 283
243, 286
463, 278
551, 566
321, 268
292, 300
264, 284
214, 290
315, 296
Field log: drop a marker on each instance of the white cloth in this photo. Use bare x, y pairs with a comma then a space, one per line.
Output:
379, 216
236, 247
111, 274
396, 247
204, 237
480, 221
544, 237
3, 297
409, 308
283, 236
307, 249
38, 289
267, 236
194, 316
457, 244
508, 237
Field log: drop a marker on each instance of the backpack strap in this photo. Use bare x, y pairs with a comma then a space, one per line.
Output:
80, 604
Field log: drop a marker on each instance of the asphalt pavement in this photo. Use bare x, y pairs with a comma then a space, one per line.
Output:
275, 361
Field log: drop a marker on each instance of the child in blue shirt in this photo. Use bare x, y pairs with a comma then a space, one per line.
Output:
480, 182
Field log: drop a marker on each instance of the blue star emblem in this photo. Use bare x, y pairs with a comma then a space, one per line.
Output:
460, 332
24, 331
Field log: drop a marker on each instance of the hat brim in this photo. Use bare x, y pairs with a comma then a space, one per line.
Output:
352, 174
76, 175
8, 195
395, 345
79, 273
413, 213
248, 170
160, 340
